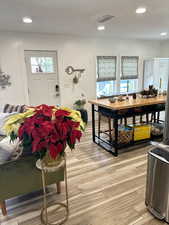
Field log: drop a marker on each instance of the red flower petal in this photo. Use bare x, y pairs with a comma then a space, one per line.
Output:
35, 144
61, 112
76, 134
44, 110
54, 138
20, 132
55, 150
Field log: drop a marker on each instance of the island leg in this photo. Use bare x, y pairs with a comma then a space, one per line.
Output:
116, 136
93, 123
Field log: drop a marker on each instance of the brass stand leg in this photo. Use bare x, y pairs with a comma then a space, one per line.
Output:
66, 187
44, 212
44, 195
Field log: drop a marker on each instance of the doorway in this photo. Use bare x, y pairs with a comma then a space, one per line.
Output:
42, 74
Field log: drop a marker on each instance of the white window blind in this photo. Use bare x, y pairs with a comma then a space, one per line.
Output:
129, 67
106, 68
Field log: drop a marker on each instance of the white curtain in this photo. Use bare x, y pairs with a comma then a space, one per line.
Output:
129, 67
106, 68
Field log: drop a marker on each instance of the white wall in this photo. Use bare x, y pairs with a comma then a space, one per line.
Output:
75, 51
165, 49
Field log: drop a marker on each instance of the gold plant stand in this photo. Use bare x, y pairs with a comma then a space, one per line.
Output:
65, 206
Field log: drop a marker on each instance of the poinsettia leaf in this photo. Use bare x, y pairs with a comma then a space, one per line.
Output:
53, 150
61, 112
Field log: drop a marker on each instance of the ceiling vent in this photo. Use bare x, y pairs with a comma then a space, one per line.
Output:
105, 18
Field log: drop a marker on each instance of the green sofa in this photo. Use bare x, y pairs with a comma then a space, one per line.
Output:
21, 177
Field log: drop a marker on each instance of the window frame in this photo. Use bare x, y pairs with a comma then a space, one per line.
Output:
41, 73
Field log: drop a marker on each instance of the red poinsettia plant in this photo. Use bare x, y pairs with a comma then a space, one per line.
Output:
46, 128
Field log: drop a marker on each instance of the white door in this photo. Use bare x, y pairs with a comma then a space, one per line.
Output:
43, 83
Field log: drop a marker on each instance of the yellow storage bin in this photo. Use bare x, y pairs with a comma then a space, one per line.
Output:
141, 132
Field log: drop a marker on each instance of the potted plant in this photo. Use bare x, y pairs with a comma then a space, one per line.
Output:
80, 106
46, 131
80, 103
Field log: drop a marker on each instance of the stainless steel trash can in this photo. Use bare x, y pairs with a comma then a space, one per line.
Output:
157, 187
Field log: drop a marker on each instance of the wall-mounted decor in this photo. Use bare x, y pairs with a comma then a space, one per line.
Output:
4, 79
78, 72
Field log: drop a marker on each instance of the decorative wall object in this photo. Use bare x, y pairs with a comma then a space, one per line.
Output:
78, 72
4, 79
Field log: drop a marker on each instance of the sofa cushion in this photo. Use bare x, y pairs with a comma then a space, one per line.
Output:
9, 150
3, 118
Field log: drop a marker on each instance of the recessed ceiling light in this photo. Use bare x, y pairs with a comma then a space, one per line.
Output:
27, 20
140, 10
163, 33
101, 27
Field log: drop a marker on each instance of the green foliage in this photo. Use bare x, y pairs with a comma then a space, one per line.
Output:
13, 136
40, 154
27, 144
83, 128
27, 147
71, 146
80, 103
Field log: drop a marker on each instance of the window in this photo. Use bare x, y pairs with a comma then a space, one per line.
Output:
42, 65
129, 67
106, 68
105, 88
128, 86
128, 82
106, 75
163, 71
156, 73
129, 74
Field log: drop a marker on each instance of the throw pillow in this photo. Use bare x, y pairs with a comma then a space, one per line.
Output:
9, 150
3, 118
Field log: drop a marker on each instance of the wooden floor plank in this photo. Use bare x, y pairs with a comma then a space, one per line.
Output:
103, 190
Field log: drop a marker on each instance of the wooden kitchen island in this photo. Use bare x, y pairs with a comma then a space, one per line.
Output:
125, 109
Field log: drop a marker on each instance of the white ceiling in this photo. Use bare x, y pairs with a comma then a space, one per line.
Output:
79, 17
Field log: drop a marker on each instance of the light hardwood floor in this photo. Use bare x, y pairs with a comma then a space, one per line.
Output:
103, 190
